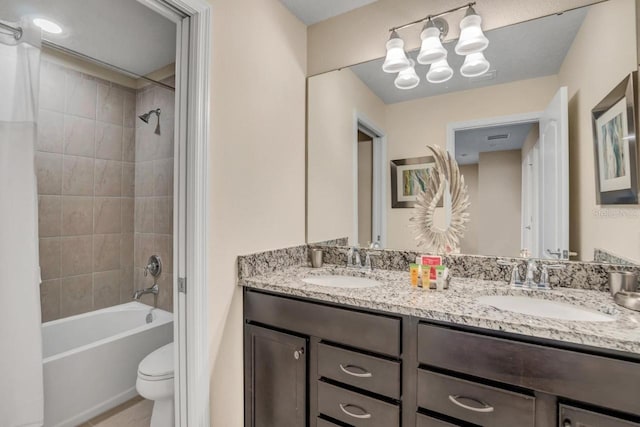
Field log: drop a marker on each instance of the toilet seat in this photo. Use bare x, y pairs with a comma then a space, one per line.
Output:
158, 365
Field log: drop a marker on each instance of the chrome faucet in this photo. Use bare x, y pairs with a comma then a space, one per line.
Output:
529, 281
354, 259
153, 267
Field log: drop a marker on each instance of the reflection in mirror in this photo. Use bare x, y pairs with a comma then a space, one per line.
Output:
521, 132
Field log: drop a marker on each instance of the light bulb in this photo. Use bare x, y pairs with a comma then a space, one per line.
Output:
475, 64
396, 59
48, 26
408, 78
472, 39
439, 72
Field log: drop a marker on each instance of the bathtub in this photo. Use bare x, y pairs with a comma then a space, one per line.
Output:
91, 360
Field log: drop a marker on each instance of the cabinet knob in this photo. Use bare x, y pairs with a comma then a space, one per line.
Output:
298, 353
566, 423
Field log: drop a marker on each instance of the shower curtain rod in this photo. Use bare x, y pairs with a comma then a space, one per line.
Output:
17, 33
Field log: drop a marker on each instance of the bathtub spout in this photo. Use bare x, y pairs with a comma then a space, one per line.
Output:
152, 290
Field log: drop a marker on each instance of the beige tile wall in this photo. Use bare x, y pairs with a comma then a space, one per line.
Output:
153, 223
85, 162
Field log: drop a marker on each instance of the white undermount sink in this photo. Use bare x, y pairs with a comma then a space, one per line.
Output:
342, 281
544, 308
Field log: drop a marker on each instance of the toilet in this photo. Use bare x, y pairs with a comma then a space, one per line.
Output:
155, 382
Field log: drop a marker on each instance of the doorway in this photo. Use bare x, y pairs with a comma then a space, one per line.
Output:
369, 189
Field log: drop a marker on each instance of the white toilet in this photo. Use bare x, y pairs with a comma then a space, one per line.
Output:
155, 382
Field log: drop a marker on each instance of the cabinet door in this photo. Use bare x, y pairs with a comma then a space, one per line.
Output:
275, 378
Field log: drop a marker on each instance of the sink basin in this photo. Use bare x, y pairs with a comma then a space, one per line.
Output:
342, 281
544, 308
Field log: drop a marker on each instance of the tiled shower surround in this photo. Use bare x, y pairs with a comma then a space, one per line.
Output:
88, 179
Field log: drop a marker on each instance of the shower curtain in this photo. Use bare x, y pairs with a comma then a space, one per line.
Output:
21, 388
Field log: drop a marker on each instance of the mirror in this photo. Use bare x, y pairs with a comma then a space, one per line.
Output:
522, 134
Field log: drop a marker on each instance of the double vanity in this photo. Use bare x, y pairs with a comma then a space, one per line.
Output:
336, 346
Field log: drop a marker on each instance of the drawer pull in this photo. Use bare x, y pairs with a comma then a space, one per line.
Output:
484, 407
364, 374
364, 416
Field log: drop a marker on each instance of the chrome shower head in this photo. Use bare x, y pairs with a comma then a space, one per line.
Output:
145, 118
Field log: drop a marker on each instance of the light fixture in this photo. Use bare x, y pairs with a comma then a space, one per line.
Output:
396, 59
471, 39
47, 25
431, 49
475, 64
471, 43
439, 72
407, 78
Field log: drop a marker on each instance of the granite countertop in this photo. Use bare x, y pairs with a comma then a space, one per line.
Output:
458, 305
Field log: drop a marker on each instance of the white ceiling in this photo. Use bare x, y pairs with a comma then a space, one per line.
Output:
124, 33
527, 50
471, 142
312, 11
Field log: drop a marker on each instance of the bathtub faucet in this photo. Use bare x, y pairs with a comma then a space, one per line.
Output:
151, 290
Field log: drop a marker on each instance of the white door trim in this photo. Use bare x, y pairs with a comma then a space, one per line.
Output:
191, 206
379, 146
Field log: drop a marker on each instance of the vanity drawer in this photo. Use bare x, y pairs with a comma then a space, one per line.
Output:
376, 333
570, 416
324, 423
602, 381
473, 402
356, 409
426, 421
359, 370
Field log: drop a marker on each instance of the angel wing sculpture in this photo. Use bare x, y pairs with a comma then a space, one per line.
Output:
445, 176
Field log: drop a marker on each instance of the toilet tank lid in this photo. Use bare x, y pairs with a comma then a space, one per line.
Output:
158, 363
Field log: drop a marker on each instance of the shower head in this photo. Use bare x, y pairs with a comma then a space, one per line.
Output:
145, 118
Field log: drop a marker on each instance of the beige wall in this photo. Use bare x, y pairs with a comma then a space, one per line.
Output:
365, 188
595, 64
499, 203
334, 98
257, 167
360, 35
469, 243
414, 124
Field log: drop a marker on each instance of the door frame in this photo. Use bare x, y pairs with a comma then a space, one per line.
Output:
364, 124
191, 207
511, 119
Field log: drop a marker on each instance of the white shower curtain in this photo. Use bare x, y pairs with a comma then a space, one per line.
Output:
21, 388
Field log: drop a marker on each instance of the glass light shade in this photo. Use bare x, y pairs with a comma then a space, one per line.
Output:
475, 64
439, 72
407, 79
47, 25
396, 59
472, 39
431, 49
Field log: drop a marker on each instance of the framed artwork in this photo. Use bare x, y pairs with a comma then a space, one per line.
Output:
615, 145
409, 177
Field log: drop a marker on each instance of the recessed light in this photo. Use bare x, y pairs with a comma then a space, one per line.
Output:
48, 26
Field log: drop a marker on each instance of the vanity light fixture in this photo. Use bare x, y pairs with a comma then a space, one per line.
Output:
47, 25
407, 78
471, 44
396, 59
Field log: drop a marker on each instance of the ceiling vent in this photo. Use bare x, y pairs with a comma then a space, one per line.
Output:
498, 137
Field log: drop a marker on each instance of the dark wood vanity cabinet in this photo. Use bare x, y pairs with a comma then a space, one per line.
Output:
323, 365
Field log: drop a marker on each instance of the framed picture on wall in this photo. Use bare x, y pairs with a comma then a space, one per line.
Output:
615, 145
409, 177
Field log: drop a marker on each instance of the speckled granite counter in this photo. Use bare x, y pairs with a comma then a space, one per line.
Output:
458, 305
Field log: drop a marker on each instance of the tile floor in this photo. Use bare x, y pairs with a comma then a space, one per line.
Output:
134, 413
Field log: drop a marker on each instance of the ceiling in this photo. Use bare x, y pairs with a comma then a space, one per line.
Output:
313, 11
527, 50
124, 33
471, 142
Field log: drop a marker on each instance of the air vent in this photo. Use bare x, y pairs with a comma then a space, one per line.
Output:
498, 137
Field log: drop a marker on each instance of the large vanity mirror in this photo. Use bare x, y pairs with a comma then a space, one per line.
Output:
522, 133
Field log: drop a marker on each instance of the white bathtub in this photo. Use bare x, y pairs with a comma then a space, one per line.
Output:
91, 360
